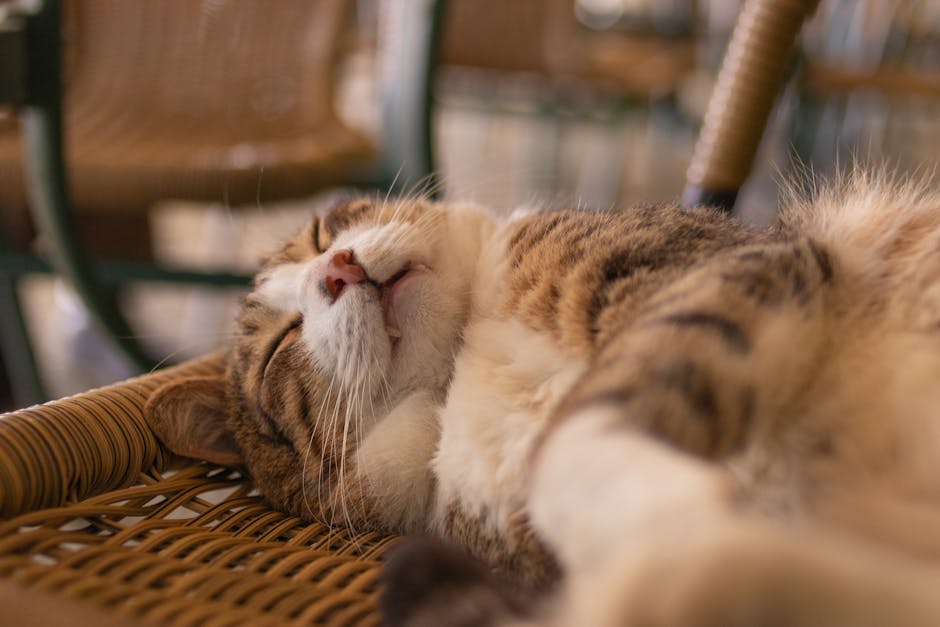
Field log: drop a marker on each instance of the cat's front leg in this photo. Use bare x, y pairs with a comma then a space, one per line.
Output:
394, 463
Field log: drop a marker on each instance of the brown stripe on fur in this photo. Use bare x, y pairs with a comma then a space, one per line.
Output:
758, 285
728, 330
691, 383
346, 213
580, 276
531, 233
823, 259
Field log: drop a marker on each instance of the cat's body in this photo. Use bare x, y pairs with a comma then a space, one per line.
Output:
653, 395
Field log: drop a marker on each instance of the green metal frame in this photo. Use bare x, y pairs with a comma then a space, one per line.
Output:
41, 121
15, 347
407, 94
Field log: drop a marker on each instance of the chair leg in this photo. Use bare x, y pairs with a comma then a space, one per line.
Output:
409, 38
754, 69
16, 349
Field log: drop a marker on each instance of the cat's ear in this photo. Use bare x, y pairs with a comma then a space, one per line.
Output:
189, 418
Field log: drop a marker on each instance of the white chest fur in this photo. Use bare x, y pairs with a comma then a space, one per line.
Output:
507, 380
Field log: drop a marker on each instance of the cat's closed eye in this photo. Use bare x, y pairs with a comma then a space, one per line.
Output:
271, 430
320, 236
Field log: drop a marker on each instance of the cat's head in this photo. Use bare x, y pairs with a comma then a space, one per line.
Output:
361, 310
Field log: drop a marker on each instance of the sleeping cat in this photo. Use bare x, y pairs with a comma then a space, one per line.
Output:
695, 422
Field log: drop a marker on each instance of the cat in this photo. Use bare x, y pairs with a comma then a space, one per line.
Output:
682, 419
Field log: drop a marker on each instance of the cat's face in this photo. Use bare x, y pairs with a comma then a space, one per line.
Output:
344, 348
362, 309
366, 303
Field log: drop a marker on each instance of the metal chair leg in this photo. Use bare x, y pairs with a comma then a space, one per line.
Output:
16, 349
410, 36
752, 73
46, 178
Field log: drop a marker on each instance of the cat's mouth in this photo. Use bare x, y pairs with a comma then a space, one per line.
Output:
391, 291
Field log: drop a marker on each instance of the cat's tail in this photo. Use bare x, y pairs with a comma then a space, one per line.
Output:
873, 221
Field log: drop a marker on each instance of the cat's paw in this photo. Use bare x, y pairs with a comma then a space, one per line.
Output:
429, 582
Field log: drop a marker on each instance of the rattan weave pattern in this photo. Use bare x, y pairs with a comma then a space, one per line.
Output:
189, 546
72, 448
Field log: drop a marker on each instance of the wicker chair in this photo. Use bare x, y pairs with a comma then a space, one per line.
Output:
97, 515
96, 511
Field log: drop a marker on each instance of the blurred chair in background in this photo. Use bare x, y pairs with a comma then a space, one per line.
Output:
871, 84
641, 54
521, 93
865, 90
196, 100
568, 72
225, 102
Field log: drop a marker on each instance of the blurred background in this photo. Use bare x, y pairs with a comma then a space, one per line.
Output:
202, 134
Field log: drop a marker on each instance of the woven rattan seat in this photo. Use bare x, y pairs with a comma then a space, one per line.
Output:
94, 511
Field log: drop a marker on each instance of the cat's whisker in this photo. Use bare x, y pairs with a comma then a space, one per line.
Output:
329, 440
186, 348
258, 190
424, 187
388, 192
353, 409
365, 392
334, 381
313, 431
342, 401
381, 389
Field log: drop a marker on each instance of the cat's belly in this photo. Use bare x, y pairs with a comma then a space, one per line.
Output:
508, 379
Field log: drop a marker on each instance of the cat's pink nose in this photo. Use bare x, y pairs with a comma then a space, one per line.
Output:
342, 271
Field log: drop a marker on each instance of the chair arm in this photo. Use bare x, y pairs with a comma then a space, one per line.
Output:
84, 445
